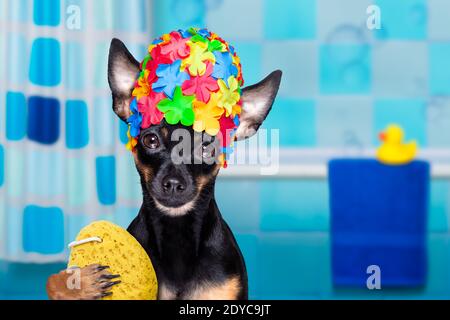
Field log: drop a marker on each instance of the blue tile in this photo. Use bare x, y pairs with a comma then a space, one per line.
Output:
122, 21
218, 15
16, 116
439, 210
106, 179
2, 165
439, 68
300, 75
251, 60
403, 19
45, 64
245, 217
439, 22
303, 133
178, 14
43, 119
345, 69
438, 282
396, 74
438, 121
344, 122
47, 12
293, 265
18, 57
294, 205
248, 244
409, 114
43, 230
75, 66
292, 20
77, 126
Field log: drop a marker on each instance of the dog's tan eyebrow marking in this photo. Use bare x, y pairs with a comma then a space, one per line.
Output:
165, 133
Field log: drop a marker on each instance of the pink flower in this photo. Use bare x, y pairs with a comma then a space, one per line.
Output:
147, 106
176, 48
201, 86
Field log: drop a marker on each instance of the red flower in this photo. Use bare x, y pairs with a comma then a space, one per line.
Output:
147, 106
201, 86
176, 48
227, 127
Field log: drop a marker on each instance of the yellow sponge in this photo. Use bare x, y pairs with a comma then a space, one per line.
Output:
123, 254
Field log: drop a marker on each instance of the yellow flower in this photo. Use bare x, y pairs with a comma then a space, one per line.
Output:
132, 142
196, 60
228, 95
144, 88
207, 116
236, 110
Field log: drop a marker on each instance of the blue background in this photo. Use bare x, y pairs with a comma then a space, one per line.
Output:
342, 84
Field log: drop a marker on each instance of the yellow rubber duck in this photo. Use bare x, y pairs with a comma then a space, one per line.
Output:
392, 150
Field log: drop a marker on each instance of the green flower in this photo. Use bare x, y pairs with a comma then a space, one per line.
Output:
179, 109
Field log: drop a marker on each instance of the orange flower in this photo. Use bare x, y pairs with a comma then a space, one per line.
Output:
207, 116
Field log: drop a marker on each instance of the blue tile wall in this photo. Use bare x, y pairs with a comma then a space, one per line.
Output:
298, 24
403, 19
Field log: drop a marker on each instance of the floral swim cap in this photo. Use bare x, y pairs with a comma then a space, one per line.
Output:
191, 77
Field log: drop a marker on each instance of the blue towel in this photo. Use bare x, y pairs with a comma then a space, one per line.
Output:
378, 217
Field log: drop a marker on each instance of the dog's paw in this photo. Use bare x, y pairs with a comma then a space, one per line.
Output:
97, 282
90, 283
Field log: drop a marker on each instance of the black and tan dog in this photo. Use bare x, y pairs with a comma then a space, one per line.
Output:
193, 250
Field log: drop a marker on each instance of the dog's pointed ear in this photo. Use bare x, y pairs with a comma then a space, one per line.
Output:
123, 71
257, 101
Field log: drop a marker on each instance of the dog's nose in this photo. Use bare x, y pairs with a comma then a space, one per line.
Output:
173, 185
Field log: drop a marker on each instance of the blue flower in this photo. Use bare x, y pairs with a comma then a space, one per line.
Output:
204, 33
135, 119
170, 77
224, 67
185, 33
157, 41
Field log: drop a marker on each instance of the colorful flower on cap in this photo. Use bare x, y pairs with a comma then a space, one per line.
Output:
192, 77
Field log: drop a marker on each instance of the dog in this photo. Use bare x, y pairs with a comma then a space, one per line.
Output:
193, 251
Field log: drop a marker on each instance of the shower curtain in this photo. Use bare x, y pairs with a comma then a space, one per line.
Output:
63, 162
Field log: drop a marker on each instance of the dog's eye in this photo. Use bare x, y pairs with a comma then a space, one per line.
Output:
151, 141
208, 150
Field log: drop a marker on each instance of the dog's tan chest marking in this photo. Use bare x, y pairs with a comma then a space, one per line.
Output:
228, 290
